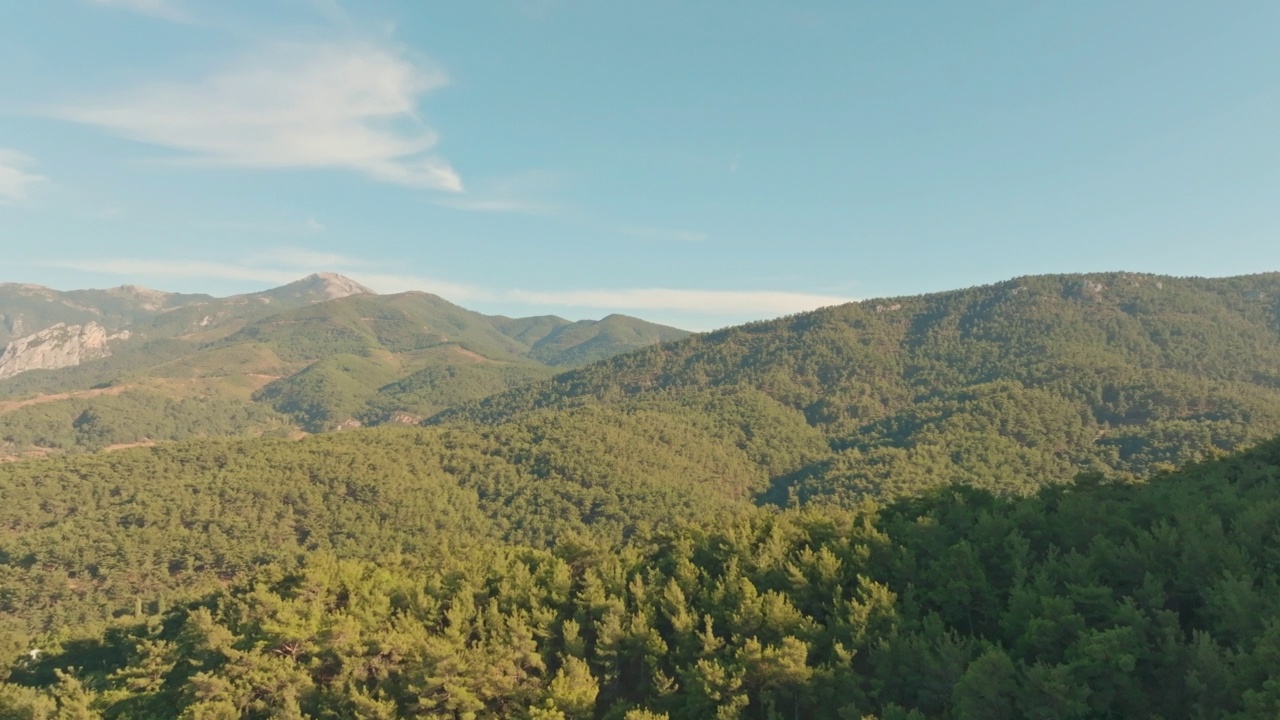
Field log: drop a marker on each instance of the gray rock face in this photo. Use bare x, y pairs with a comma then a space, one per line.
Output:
334, 286
57, 347
314, 288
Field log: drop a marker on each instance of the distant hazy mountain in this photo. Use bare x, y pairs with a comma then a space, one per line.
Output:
28, 309
94, 368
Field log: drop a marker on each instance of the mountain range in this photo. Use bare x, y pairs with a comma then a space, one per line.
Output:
1006, 386
318, 353
1009, 386
1049, 497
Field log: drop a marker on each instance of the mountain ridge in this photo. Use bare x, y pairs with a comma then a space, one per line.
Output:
1037, 376
319, 353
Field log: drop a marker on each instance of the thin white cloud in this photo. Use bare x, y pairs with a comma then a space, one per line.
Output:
513, 193
15, 177
286, 265
713, 302
310, 226
156, 8
352, 106
329, 9
457, 292
473, 204
179, 268
278, 267
302, 259
652, 234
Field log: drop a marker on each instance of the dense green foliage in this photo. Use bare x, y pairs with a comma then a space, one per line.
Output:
1008, 386
589, 341
84, 536
1098, 600
448, 382
330, 391
104, 420
372, 390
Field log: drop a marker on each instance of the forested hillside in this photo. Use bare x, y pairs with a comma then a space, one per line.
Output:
326, 599
87, 535
1007, 386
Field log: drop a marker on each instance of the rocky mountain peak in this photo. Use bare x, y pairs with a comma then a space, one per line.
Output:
147, 299
317, 287
332, 285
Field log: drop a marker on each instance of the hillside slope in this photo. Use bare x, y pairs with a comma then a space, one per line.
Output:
82, 536
1006, 386
1096, 600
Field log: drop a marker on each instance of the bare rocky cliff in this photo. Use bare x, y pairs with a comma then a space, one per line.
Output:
57, 347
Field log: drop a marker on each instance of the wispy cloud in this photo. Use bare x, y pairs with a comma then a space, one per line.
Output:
331, 10
138, 268
165, 9
393, 283
493, 205
513, 193
352, 106
301, 258
15, 176
277, 266
309, 226
652, 234
713, 302
284, 265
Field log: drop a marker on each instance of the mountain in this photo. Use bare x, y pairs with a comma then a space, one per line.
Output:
89, 320
28, 309
1008, 386
318, 288
320, 353
587, 341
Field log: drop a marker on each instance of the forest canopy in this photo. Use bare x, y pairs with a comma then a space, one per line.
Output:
1098, 599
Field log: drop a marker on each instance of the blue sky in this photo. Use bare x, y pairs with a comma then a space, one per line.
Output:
698, 163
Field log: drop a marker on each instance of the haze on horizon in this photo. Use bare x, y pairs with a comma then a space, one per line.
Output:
697, 166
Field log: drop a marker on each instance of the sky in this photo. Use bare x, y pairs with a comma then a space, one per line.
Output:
699, 163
